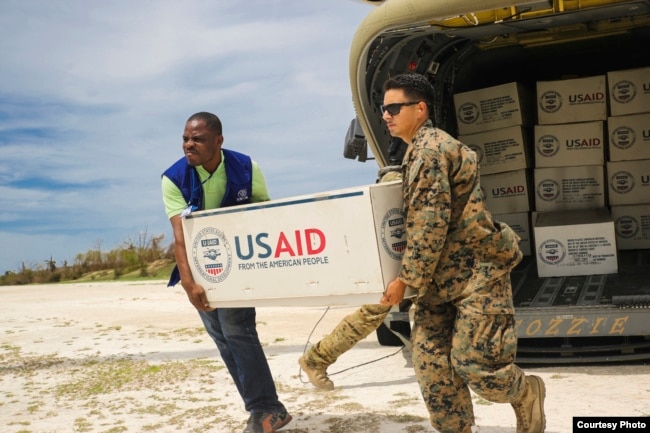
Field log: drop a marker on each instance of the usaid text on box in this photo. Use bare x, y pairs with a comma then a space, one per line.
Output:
625, 424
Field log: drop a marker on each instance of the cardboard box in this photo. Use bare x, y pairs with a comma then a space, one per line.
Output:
335, 248
494, 107
632, 224
629, 182
569, 144
569, 188
629, 91
575, 243
629, 137
520, 223
572, 101
507, 192
499, 150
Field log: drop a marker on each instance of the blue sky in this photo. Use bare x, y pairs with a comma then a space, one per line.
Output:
94, 96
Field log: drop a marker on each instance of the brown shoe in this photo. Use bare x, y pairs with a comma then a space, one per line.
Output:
317, 375
267, 422
530, 407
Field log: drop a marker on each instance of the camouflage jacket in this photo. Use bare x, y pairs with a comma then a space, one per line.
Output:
451, 237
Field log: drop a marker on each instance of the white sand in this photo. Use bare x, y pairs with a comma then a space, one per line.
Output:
120, 357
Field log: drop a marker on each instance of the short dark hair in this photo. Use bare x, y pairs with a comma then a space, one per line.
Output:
211, 121
415, 87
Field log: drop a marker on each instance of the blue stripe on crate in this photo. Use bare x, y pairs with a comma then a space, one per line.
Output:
270, 204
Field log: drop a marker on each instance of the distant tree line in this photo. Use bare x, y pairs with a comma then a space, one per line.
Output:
132, 255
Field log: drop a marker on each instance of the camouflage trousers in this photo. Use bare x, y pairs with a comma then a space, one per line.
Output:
468, 342
353, 328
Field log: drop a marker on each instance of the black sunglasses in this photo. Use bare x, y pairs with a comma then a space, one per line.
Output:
394, 109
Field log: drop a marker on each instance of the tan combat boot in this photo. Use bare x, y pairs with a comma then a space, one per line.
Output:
317, 375
530, 407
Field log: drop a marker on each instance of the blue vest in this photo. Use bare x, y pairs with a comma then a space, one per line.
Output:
239, 186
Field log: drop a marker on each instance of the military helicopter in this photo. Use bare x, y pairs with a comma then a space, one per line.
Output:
465, 46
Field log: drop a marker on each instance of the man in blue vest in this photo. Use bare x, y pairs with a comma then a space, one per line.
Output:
210, 177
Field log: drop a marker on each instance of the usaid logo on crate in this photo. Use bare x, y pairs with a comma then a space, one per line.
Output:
548, 189
468, 113
629, 182
622, 182
626, 226
393, 233
550, 101
212, 255
548, 145
551, 251
623, 91
623, 137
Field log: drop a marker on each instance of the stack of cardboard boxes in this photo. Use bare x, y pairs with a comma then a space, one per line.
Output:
569, 144
628, 167
574, 233
495, 123
579, 181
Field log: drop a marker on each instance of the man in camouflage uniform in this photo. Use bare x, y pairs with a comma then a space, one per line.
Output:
352, 329
458, 260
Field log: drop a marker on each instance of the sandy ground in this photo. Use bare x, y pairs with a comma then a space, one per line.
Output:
120, 357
